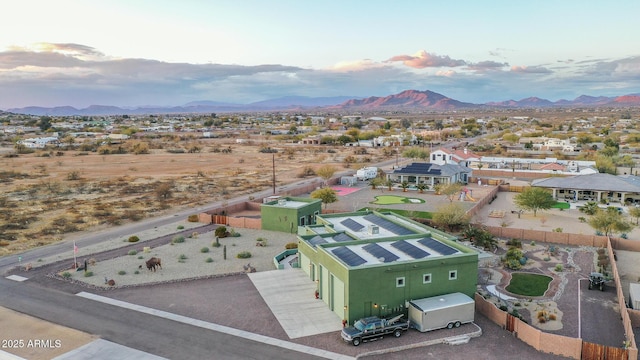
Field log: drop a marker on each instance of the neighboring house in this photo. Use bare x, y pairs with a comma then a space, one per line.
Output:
593, 187
370, 263
40, 142
288, 213
430, 174
458, 157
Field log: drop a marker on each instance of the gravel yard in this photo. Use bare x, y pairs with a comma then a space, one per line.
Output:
186, 260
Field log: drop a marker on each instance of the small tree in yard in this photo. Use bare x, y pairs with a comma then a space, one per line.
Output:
327, 195
326, 172
635, 213
609, 221
451, 216
534, 199
451, 190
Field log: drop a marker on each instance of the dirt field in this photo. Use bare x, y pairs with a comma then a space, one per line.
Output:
50, 193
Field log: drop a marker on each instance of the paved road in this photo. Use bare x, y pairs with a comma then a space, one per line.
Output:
134, 329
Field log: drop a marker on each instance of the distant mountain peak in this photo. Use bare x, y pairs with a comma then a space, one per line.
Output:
408, 98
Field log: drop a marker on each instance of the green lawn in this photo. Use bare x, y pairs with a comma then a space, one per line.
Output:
394, 199
406, 213
528, 284
561, 205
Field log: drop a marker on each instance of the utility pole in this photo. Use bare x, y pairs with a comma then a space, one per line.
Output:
273, 160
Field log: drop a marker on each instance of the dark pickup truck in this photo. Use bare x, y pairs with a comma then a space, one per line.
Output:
373, 328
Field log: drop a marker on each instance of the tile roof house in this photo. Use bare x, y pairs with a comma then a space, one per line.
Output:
593, 187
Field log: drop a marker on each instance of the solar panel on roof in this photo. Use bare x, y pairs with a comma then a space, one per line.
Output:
380, 253
352, 224
437, 246
348, 256
410, 249
317, 240
388, 225
342, 237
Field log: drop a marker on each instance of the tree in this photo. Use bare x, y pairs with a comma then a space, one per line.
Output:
375, 182
605, 164
451, 216
590, 208
534, 199
451, 191
327, 195
609, 221
415, 153
635, 213
480, 237
326, 172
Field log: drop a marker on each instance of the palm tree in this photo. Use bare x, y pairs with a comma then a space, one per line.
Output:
404, 186
422, 187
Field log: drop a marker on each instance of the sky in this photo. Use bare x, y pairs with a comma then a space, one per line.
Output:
168, 53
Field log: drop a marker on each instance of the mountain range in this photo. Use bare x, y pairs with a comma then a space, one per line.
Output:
407, 100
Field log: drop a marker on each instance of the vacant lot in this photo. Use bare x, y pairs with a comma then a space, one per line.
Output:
49, 193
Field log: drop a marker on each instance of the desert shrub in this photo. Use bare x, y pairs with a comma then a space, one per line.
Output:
133, 252
215, 244
177, 239
180, 227
291, 245
533, 243
515, 243
133, 238
221, 231
92, 262
4, 243
243, 255
552, 316
182, 257
66, 274
204, 250
194, 235
558, 268
209, 260
233, 233
122, 272
559, 230
140, 257
503, 308
88, 274
193, 218
136, 272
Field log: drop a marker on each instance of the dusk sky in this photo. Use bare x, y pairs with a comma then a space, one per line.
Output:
133, 53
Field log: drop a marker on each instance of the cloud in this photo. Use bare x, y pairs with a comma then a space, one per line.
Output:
423, 59
530, 70
486, 66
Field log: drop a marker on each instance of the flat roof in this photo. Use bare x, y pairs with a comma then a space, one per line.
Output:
363, 226
392, 251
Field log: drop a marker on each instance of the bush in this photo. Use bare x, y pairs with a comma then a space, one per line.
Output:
291, 245
66, 274
177, 239
558, 230
133, 252
558, 268
209, 260
243, 255
193, 218
221, 231
204, 250
215, 244
122, 272
88, 274
180, 227
133, 238
136, 272
533, 243
140, 257
182, 257
233, 233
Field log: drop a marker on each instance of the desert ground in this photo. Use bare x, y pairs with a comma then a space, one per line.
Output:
49, 193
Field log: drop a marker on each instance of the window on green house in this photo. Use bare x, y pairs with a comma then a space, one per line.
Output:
453, 274
400, 282
426, 278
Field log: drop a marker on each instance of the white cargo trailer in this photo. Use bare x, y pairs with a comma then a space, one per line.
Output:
450, 310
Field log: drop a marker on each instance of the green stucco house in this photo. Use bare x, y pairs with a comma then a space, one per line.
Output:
286, 214
369, 263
